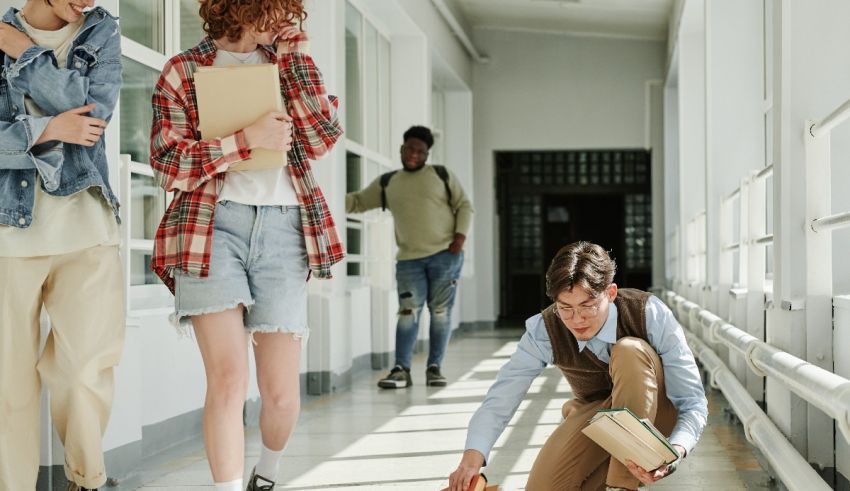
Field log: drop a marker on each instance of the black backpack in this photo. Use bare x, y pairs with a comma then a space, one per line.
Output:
385, 179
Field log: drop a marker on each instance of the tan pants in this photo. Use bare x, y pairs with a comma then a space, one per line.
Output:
569, 460
83, 294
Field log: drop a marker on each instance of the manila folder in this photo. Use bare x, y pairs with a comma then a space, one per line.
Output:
231, 98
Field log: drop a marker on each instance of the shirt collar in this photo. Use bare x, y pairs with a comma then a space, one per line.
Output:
608, 333
206, 52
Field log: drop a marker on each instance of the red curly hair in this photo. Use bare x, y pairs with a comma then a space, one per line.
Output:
229, 18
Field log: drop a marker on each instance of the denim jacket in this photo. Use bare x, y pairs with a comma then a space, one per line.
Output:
93, 75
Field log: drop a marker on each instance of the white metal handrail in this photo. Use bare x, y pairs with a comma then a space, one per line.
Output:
791, 467
734, 194
764, 239
831, 222
764, 173
731, 247
823, 389
841, 114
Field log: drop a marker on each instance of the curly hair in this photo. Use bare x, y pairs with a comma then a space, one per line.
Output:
229, 18
583, 264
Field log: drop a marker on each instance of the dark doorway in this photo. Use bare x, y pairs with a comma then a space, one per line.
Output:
596, 218
548, 199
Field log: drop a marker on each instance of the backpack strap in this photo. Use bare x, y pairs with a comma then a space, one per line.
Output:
385, 179
439, 169
444, 175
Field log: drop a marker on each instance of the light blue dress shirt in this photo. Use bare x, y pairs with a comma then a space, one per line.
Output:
534, 353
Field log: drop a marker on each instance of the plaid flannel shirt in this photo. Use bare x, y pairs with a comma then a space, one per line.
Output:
193, 169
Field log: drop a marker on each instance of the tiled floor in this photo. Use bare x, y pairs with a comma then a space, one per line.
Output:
411, 439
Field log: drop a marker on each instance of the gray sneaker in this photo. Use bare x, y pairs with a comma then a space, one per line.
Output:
398, 378
433, 377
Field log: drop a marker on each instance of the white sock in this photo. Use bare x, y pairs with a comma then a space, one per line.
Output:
229, 486
269, 463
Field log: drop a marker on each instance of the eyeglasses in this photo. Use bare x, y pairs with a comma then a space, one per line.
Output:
567, 313
409, 149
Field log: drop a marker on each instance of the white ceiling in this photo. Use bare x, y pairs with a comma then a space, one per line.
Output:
633, 19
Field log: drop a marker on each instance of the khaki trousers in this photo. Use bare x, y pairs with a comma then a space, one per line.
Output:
571, 461
83, 292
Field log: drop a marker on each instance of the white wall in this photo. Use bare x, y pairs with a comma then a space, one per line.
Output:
544, 91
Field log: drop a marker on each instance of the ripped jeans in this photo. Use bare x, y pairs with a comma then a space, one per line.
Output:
433, 278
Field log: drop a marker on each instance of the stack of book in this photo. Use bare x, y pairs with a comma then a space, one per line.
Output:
626, 437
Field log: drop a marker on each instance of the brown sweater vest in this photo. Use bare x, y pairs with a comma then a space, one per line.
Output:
589, 377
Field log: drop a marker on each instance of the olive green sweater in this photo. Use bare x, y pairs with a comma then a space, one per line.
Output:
425, 221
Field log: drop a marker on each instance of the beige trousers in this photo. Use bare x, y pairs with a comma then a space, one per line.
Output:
571, 461
83, 292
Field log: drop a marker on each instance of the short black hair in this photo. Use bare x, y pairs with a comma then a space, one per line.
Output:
420, 133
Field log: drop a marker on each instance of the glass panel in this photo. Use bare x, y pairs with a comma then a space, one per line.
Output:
354, 241
768, 137
736, 220
370, 55
144, 23
147, 207
191, 29
353, 173
353, 111
140, 269
768, 261
385, 129
736, 267
354, 269
136, 112
768, 198
373, 170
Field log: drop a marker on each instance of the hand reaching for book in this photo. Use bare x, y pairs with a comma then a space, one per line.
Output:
649, 477
469, 467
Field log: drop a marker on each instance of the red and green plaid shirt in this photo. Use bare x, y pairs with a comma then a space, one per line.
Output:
193, 169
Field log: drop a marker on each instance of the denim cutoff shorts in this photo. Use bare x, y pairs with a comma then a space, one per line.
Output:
259, 260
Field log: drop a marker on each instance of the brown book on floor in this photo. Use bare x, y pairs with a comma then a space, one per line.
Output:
626, 437
231, 98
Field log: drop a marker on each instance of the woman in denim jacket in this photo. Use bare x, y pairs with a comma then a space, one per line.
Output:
60, 74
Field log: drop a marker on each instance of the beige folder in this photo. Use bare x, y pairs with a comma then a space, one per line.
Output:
231, 98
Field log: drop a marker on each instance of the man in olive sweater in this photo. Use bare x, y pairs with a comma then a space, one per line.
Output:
432, 218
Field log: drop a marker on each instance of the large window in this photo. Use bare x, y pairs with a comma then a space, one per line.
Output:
152, 32
367, 119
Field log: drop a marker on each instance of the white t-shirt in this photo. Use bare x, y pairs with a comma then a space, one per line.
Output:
270, 187
61, 224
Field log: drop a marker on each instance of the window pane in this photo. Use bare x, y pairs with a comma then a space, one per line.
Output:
353, 173
136, 112
353, 116
144, 23
370, 49
373, 170
354, 241
147, 207
768, 197
354, 269
768, 261
140, 269
384, 67
191, 30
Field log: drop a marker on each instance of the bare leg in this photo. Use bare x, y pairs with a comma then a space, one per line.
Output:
277, 356
224, 349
